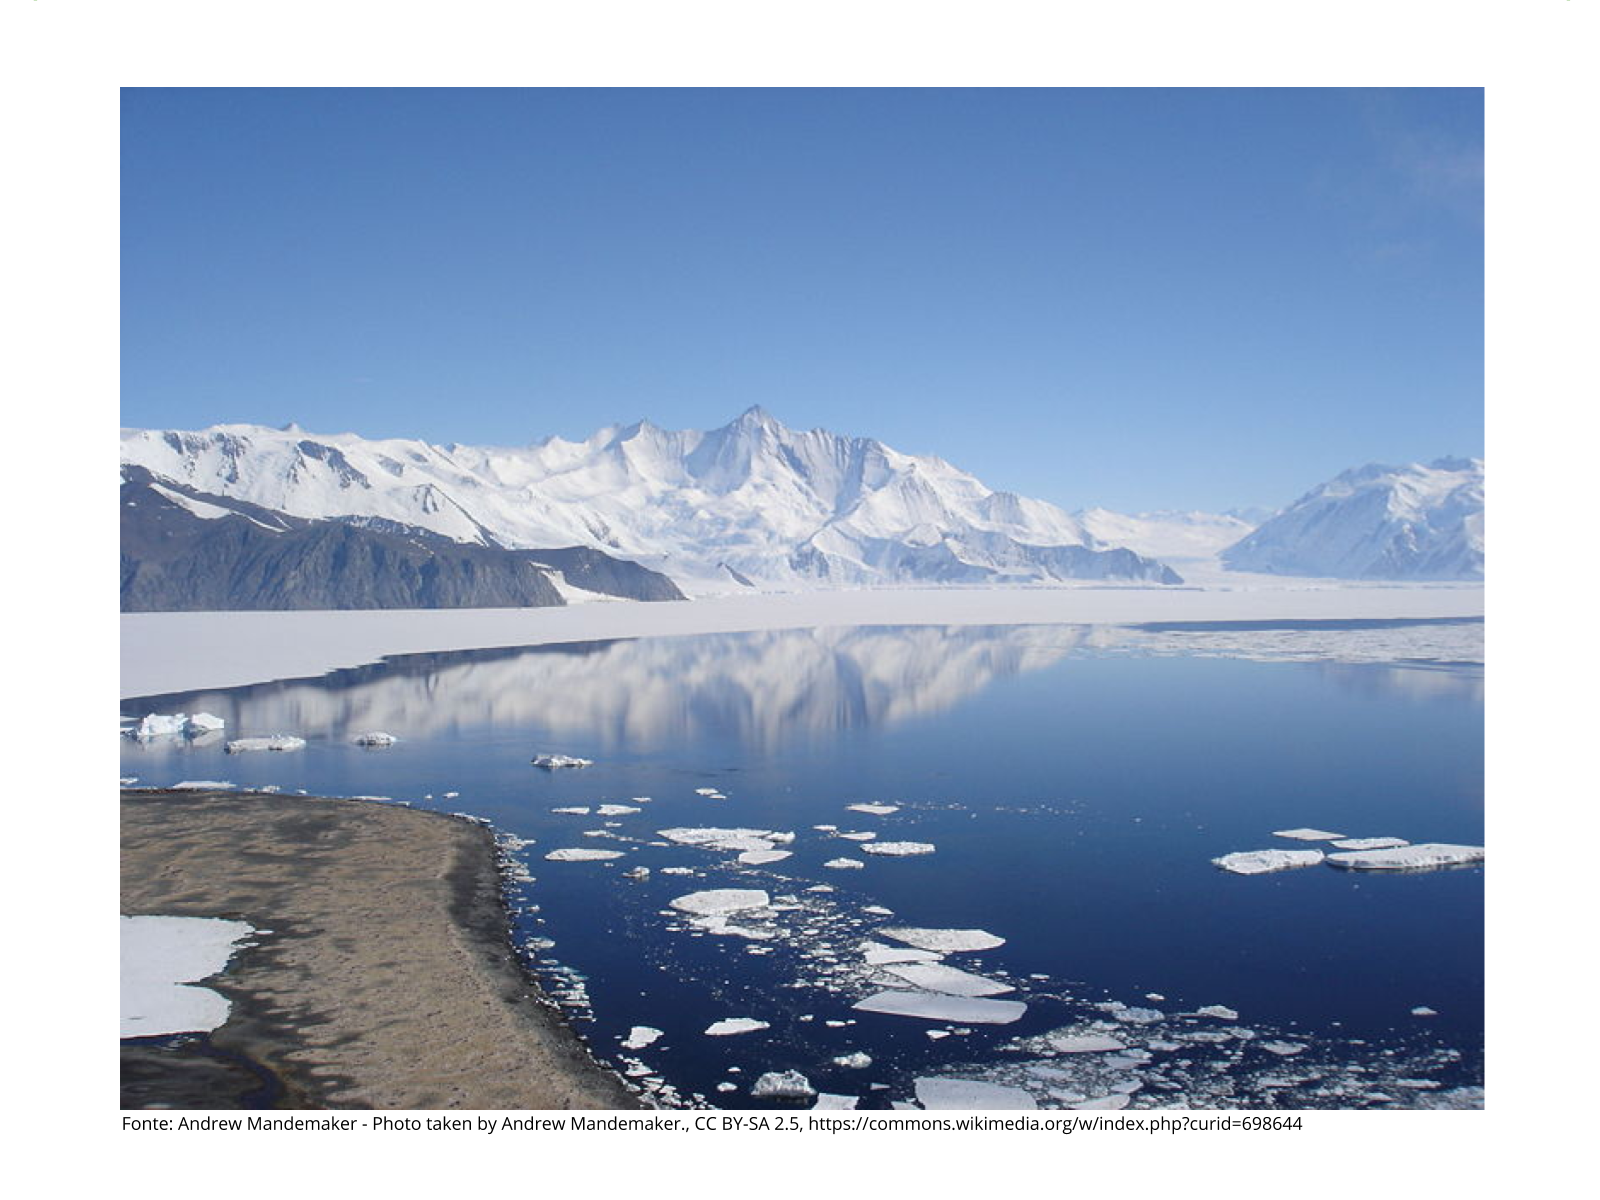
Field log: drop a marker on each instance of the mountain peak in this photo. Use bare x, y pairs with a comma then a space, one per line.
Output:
755, 415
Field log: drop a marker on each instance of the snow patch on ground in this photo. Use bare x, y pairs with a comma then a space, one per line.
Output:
162, 958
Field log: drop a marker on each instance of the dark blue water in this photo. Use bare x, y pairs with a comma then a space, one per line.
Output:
1075, 797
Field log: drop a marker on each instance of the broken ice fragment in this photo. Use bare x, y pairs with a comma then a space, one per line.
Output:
553, 762
1084, 1043
1116, 1100
1375, 843
944, 941
756, 858
830, 1100
376, 738
732, 1025
859, 837
936, 1093
935, 977
877, 954
582, 855
1260, 862
856, 1061
1307, 835
1422, 1010
278, 741
640, 1036
877, 810
844, 864
1421, 857
1220, 1011
897, 849
720, 901
785, 1085
932, 1006
877, 910
615, 810
1284, 1049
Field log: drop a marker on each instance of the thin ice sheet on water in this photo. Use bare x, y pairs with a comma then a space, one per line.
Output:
161, 959
877, 810
714, 838
721, 901
1306, 835
1262, 862
936, 977
829, 1100
756, 858
944, 941
932, 1006
582, 855
879, 955
1422, 857
966, 1094
1085, 1043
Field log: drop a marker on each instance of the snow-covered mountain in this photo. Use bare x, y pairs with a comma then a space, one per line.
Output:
1173, 537
1377, 522
751, 503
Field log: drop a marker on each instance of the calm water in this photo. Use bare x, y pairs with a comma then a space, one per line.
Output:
1076, 792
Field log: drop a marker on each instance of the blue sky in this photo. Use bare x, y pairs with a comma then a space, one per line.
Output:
1140, 299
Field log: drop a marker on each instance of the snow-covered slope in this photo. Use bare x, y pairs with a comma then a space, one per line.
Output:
1173, 537
753, 502
1377, 522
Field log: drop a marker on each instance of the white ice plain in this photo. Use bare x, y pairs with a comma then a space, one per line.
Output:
162, 957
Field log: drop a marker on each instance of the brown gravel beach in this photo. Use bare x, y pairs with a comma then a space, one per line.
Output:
387, 980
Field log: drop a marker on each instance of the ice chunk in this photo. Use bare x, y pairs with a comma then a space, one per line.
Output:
932, 1006
711, 838
783, 1085
756, 858
202, 785
553, 762
935, 977
721, 901
204, 723
1260, 862
829, 1100
1129, 1015
936, 1093
1284, 1049
845, 864
1421, 857
1422, 1010
615, 810
856, 1061
278, 741
582, 855
1220, 1011
944, 941
1377, 843
576, 810
720, 925
639, 1037
155, 725
1115, 1100
877, 910
729, 1026
877, 810
1085, 1043
859, 837
1306, 835
162, 958
897, 849
708, 792
376, 738
878, 955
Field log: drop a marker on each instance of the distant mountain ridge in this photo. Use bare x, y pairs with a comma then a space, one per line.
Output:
1377, 522
752, 503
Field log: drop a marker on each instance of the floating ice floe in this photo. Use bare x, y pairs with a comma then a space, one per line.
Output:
1261, 862
877, 954
936, 977
859, 837
856, 1060
730, 1026
1307, 835
278, 741
1284, 1049
877, 810
844, 864
157, 725
709, 793
615, 810
203, 785
937, 1093
897, 849
1421, 857
831, 1101
783, 1085
636, 873
575, 810
1085, 1043
721, 901
877, 910
740, 840
944, 941
934, 1006
756, 858
582, 855
1377, 843
376, 738
640, 1036
203, 723
553, 762
1116, 1100
721, 926
1220, 1011
1422, 1010
162, 958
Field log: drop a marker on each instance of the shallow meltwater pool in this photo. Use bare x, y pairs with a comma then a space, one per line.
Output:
947, 866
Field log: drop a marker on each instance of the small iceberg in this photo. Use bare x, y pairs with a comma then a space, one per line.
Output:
945, 941
203, 723
1261, 862
855, 1061
729, 1026
1425, 856
934, 1006
616, 810
897, 849
278, 741
845, 864
721, 901
1307, 835
877, 810
582, 855
157, 725
554, 762
783, 1085
1220, 1011
962, 1094
375, 738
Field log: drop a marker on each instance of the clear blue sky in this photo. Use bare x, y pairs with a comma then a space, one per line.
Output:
1140, 299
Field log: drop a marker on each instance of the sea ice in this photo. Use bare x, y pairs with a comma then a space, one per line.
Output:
785, 1085
897, 849
1421, 857
721, 901
1284, 1049
877, 910
582, 855
552, 762
726, 839
204, 723
162, 957
615, 810
829, 1100
856, 1061
640, 1036
1220, 1011
278, 741
1377, 843
859, 837
1307, 835
756, 858
1115, 1100
935, 977
879, 955
375, 738
1085, 1043
707, 792
1260, 862
156, 725
202, 785
732, 1025
576, 810
1422, 1010
877, 810
944, 941
844, 864
932, 1006
935, 1093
